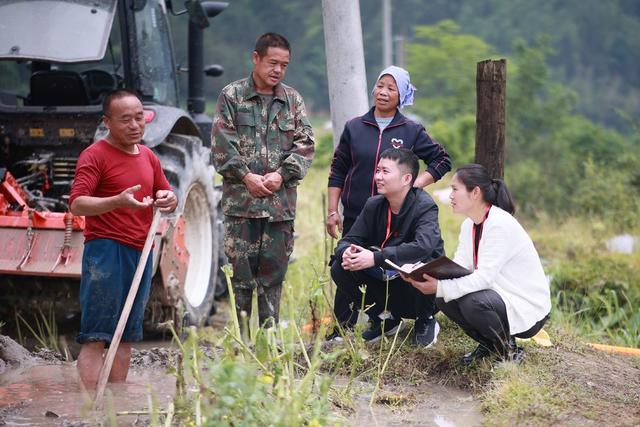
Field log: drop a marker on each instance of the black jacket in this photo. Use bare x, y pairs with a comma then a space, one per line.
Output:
356, 157
414, 232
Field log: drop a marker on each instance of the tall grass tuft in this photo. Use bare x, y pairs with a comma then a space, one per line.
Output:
44, 330
599, 294
270, 379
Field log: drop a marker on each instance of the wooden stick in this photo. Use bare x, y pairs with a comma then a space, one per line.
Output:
135, 283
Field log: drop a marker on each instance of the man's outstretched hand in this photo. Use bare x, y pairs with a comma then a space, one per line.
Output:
126, 199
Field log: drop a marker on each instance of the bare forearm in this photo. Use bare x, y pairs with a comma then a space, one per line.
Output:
333, 194
90, 206
423, 180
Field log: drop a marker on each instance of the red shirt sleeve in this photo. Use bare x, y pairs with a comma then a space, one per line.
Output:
87, 176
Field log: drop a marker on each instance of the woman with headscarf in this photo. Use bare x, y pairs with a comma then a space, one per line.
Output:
351, 179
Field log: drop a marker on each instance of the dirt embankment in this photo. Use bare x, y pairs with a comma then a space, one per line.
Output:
606, 386
13, 355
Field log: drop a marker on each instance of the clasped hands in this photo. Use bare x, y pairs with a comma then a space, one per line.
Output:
356, 258
262, 185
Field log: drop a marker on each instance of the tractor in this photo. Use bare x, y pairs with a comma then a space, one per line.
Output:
58, 59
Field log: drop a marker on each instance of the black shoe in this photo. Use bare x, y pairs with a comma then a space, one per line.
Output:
512, 353
517, 356
334, 336
479, 353
426, 332
375, 331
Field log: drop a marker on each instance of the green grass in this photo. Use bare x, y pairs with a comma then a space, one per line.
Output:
595, 292
43, 329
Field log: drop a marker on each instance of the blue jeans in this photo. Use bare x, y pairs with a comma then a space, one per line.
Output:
108, 268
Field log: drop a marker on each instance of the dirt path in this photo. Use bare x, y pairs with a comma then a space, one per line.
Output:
607, 386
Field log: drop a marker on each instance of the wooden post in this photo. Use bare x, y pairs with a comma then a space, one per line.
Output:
491, 90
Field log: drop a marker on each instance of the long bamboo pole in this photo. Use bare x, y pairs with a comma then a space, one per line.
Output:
126, 310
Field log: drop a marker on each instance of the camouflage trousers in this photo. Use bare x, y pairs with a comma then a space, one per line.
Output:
258, 251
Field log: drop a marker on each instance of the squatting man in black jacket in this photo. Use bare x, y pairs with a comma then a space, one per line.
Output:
399, 224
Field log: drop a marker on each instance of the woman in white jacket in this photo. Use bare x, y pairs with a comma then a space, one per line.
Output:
507, 295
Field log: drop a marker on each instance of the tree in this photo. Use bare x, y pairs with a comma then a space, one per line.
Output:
442, 62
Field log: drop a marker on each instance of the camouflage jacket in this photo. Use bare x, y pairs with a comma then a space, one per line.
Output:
248, 136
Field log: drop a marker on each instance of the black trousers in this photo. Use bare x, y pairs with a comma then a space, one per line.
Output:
403, 300
483, 316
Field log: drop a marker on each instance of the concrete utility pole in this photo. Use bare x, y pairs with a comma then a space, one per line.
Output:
491, 91
345, 62
387, 47
399, 48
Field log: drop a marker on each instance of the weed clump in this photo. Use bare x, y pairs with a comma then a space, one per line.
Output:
267, 379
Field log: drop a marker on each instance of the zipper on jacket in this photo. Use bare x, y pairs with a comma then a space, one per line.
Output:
375, 164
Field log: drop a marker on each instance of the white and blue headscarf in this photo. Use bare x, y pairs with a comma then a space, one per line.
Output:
403, 81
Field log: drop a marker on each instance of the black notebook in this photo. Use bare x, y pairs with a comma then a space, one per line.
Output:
440, 268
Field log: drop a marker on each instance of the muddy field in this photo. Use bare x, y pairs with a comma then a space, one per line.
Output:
587, 387
42, 389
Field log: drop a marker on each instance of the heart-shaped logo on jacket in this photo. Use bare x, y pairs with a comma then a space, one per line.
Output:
397, 142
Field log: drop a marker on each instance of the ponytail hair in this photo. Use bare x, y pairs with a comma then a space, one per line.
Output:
494, 191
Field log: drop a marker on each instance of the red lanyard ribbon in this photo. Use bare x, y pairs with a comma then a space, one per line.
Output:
473, 238
388, 227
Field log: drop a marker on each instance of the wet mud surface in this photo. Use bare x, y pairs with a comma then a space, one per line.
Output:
13, 355
42, 389
154, 357
50, 395
424, 405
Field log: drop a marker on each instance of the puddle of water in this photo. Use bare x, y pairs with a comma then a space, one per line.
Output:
36, 395
425, 405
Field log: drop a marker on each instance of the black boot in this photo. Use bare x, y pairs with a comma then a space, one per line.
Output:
479, 353
511, 352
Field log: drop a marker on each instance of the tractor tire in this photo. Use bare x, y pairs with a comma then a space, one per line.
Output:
222, 291
186, 164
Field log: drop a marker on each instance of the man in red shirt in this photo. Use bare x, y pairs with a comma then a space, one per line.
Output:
115, 184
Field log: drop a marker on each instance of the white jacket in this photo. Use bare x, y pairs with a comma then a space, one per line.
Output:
508, 263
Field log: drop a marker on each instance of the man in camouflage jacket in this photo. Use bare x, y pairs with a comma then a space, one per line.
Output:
262, 146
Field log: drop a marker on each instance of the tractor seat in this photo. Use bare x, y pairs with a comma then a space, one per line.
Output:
58, 88
99, 83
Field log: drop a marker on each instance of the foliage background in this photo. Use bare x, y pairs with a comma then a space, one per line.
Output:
594, 44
